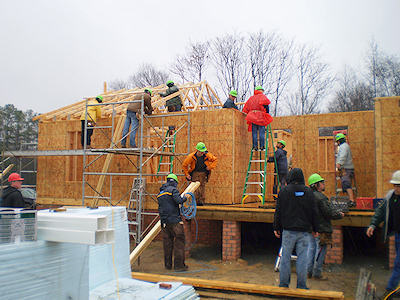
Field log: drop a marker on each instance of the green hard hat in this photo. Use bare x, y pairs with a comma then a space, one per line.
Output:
259, 88
201, 147
100, 97
233, 93
340, 136
282, 142
169, 81
173, 176
314, 178
149, 90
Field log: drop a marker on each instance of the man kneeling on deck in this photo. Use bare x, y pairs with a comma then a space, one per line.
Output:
172, 231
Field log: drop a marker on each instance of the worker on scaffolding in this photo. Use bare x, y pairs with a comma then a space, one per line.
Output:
175, 103
197, 167
133, 115
257, 110
296, 216
281, 163
319, 245
172, 229
93, 113
345, 167
12, 196
388, 212
230, 102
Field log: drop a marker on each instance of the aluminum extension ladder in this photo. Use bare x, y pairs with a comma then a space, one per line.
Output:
165, 164
260, 169
134, 210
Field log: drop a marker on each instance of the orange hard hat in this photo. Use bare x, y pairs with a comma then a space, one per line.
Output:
14, 177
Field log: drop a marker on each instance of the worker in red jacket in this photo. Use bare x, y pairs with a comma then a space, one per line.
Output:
258, 117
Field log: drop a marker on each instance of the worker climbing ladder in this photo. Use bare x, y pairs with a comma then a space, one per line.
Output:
165, 165
256, 175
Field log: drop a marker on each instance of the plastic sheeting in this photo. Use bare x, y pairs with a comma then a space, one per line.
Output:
129, 289
44, 270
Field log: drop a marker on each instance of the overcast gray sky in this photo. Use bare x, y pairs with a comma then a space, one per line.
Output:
54, 53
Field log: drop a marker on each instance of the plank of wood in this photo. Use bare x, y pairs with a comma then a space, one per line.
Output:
6, 170
156, 229
242, 287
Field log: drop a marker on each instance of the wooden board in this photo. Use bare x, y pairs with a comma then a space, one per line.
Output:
242, 287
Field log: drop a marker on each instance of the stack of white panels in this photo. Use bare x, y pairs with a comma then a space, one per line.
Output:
17, 225
69, 227
44, 270
128, 289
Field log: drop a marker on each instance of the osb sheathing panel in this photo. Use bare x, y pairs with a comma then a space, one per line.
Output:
387, 113
225, 134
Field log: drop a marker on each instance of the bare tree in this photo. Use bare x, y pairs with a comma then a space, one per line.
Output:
383, 71
313, 82
230, 61
148, 75
118, 84
191, 66
352, 95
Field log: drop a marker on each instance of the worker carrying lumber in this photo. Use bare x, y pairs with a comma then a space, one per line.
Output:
93, 113
197, 167
230, 102
388, 212
319, 245
344, 164
296, 216
175, 103
133, 116
12, 196
172, 230
258, 116
281, 162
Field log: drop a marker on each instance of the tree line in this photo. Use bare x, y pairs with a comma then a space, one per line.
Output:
295, 76
17, 128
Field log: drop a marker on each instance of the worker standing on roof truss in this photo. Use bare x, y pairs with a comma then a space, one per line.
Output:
319, 245
296, 216
389, 213
133, 116
174, 104
197, 167
344, 164
172, 229
281, 162
230, 102
93, 113
258, 117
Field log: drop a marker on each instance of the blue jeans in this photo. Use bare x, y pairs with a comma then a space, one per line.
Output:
316, 256
130, 119
395, 278
294, 240
261, 133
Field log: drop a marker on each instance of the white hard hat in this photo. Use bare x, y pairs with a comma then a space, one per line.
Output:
395, 177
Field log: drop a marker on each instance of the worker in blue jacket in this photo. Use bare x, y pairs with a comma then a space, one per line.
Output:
172, 231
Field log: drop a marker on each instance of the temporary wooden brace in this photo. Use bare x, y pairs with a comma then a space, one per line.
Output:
156, 229
242, 287
6, 170
109, 156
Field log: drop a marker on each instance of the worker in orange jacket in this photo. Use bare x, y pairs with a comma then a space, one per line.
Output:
197, 167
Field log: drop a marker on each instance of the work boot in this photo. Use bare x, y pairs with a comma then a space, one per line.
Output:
168, 267
123, 146
181, 269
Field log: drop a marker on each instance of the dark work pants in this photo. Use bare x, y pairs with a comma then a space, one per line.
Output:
89, 134
201, 191
174, 242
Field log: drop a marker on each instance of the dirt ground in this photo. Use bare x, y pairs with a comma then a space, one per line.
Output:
257, 266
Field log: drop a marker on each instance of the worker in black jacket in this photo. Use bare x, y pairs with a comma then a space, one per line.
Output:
296, 216
172, 230
281, 164
12, 196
